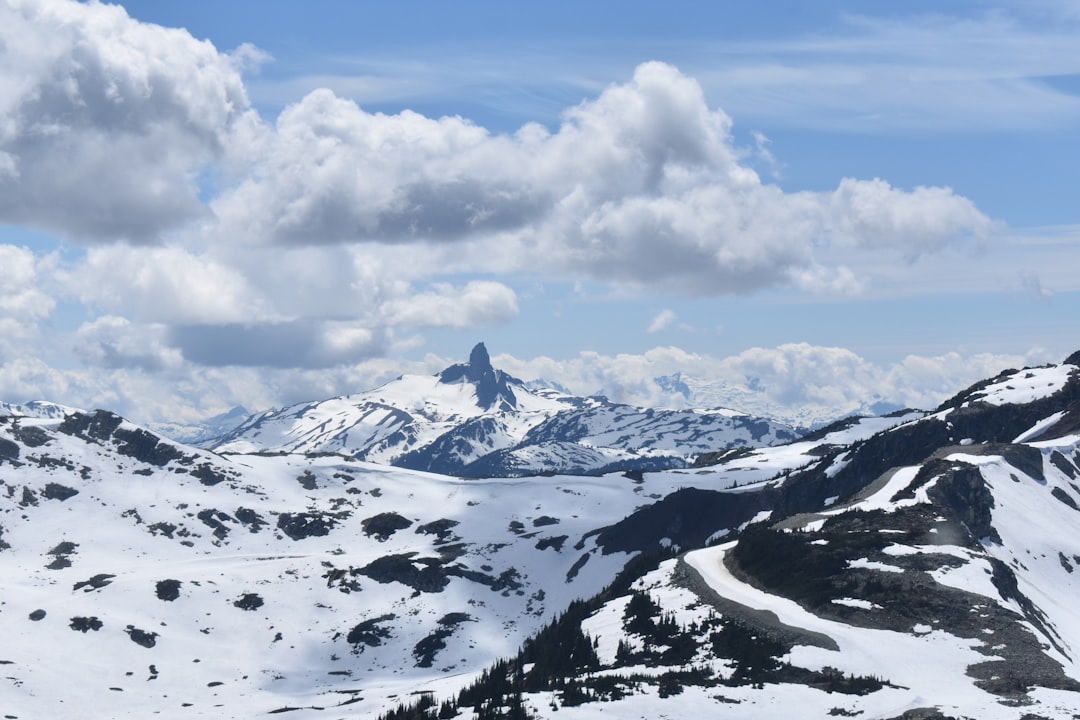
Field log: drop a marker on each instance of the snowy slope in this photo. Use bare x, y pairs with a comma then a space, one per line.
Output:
221, 587
921, 565
926, 570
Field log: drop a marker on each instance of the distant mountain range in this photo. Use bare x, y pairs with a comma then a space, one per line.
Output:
917, 565
472, 420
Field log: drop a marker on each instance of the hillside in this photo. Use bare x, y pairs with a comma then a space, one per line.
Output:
927, 571
916, 565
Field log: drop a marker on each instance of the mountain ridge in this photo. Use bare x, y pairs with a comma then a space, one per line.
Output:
473, 420
885, 567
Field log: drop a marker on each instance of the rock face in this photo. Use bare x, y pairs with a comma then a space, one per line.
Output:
492, 388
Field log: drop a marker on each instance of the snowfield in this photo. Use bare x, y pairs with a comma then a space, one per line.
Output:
921, 563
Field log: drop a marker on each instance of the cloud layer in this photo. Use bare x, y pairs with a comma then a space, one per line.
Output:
212, 250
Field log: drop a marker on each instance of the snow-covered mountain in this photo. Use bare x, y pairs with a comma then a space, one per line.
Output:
926, 571
35, 409
472, 420
922, 565
206, 431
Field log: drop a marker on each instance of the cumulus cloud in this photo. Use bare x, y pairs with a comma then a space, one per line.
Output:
21, 299
798, 382
332, 234
164, 284
477, 303
107, 122
116, 342
24, 304
641, 185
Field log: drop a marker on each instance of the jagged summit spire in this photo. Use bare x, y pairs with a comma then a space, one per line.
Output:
479, 361
490, 383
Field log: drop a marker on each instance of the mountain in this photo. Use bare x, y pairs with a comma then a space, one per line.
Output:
206, 431
919, 565
472, 420
926, 571
35, 409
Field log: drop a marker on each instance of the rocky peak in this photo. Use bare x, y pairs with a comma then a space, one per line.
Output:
491, 384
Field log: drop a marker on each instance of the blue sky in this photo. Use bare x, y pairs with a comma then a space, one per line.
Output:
326, 194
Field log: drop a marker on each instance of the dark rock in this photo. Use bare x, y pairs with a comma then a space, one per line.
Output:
383, 525
402, 568
165, 528
576, 567
167, 590
425, 651
29, 435
98, 425
61, 555
963, 491
207, 475
491, 385
56, 491
141, 637
369, 633
253, 520
9, 450
1064, 497
145, 447
95, 583
29, 498
307, 480
1062, 463
249, 601
440, 527
551, 542
83, 624
37, 615
304, 525
215, 520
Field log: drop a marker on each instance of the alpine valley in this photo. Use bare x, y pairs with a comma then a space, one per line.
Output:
465, 545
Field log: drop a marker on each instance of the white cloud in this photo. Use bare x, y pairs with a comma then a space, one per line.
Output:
796, 380
476, 304
640, 186
164, 284
21, 299
115, 342
332, 230
662, 321
106, 122
24, 304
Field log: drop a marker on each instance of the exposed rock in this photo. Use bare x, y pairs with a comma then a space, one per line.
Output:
383, 525
84, 624
167, 590
248, 601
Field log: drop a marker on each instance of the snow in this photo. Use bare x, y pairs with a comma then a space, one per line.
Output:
1039, 428
857, 603
213, 658
1025, 386
204, 639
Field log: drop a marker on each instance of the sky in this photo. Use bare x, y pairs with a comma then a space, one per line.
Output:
208, 204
